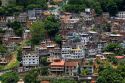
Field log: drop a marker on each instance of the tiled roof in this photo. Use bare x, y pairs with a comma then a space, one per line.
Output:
57, 0
45, 82
71, 63
120, 57
58, 63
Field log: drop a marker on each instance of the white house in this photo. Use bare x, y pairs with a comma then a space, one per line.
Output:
121, 15
70, 52
30, 60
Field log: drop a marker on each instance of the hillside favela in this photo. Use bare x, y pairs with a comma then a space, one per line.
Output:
62, 41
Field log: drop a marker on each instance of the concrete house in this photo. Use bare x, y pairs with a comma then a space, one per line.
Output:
70, 52
57, 67
30, 59
71, 68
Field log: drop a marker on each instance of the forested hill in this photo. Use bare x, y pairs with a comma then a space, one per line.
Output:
9, 7
111, 6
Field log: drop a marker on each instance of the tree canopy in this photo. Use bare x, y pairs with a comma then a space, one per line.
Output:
3, 49
37, 32
17, 27
21, 5
31, 77
115, 48
110, 75
10, 77
58, 38
111, 6
52, 25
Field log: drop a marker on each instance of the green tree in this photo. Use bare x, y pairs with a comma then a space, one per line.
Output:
97, 8
10, 77
19, 54
2, 11
90, 62
112, 59
3, 49
58, 38
43, 61
43, 71
109, 6
109, 75
31, 4
115, 48
62, 81
17, 27
31, 77
101, 80
52, 25
112, 7
74, 6
121, 69
85, 72
22, 2
37, 32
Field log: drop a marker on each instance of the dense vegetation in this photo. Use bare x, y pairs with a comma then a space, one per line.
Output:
32, 76
10, 77
17, 27
37, 32
112, 70
112, 75
62, 81
115, 48
3, 49
111, 6
50, 26
21, 5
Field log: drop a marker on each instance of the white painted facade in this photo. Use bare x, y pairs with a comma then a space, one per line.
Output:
121, 14
30, 59
72, 53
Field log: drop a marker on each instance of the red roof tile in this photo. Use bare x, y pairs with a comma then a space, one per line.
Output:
120, 57
71, 63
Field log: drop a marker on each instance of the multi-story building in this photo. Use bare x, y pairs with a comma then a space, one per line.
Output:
87, 64
46, 47
54, 54
3, 22
68, 23
32, 15
71, 68
10, 19
57, 67
22, 17
30, 59
26, 34
84, 38
88, 16
121, 15
70, 52
50, 50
